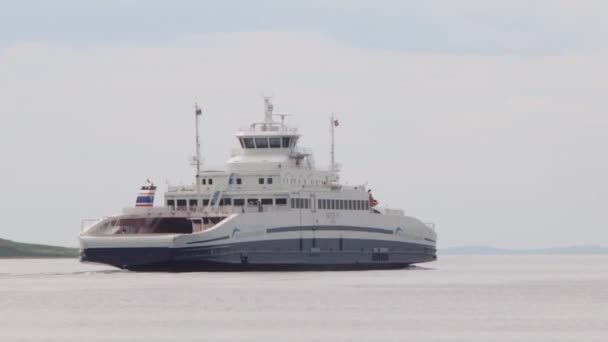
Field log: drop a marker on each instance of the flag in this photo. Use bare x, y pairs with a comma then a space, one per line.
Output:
336, 123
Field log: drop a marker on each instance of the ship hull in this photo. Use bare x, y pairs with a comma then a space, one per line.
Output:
287, 254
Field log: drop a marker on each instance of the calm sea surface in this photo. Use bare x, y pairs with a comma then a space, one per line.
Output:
458, 298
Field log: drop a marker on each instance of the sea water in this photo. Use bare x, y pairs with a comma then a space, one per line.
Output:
457, 298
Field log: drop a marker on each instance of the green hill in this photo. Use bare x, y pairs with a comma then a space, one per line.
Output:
10, 249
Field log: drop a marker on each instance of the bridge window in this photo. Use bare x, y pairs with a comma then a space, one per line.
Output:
248, 143
261, 142
204, 181
252, 201
267, 201
239, 201
280, 201
205, 202
181, 203
193, 203
210, 181
286, 141
170, 203
275, 142
261, 180
239, 181
269, 181
226, 201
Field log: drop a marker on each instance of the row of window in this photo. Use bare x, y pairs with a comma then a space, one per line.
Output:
238, 181
329, 204
300, 203
265, 142
182, 203
296, 203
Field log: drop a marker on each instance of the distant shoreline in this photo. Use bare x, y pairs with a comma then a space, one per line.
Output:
16, 250
486, 250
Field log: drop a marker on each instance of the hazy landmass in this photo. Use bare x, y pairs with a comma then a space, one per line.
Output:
486, 250
10, 249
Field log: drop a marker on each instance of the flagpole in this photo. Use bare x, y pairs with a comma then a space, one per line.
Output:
332, 166
197, 114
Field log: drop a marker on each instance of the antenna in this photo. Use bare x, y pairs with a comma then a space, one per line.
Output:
282, 120
197, 113
268, 108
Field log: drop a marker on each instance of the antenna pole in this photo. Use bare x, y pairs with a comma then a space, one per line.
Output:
197, 113
332, 166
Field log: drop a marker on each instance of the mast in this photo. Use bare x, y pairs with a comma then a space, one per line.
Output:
332, 166
197, 113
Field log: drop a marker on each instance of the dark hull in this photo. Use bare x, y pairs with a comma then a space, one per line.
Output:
268, 255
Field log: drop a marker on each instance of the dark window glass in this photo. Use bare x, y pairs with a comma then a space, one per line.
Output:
170, 203
306, 203
205, 202
341, 204
252, 201
248, 142
293, 202
239, 201
261, 180
227, 201
357, 205
261, 142
269, 181
280, 201
366, 205
319, 204
350, 205
286, 142
275, 142
267, 201
204, 181
332, 204
300, 203
239, 181
192, 203
181, 202
210, 181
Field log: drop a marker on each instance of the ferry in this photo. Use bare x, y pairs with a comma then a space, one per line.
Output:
269, 209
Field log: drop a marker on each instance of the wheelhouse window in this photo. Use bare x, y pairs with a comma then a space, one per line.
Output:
248, 142
285, 142
280, 201
269, 180
170, 203
261, 180
261, 142
252, 201
181, 203
239, 201
193, 203
267, 201
205, 202
204, 181
275, 142
210, 181
226, 201
239, 181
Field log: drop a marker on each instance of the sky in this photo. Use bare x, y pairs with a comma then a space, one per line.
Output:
487, 118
